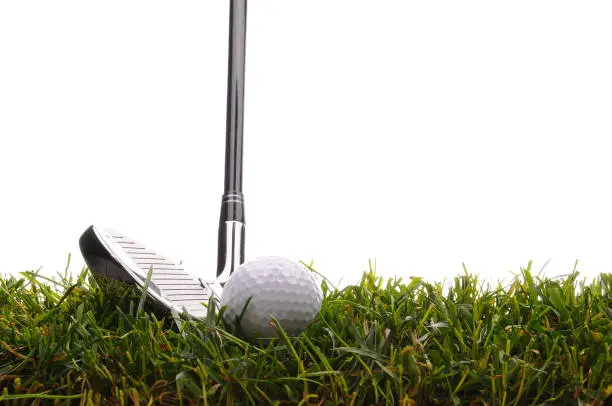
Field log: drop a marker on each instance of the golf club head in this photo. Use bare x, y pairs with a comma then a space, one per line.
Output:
111, 255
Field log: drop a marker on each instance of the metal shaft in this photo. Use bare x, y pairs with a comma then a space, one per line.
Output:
235, 97
231, 222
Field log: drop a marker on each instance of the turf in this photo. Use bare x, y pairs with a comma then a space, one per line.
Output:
534, 341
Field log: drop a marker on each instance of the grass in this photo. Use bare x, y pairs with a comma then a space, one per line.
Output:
536, 341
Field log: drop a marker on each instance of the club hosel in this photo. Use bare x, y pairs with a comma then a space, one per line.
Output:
231, 236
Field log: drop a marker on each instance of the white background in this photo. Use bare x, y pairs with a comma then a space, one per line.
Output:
422, 134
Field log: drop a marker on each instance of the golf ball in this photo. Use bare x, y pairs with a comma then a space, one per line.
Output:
276, 287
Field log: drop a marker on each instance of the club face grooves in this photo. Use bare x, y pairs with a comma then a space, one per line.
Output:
170, 285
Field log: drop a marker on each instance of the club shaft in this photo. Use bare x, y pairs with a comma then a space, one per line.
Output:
235, 97
231, 222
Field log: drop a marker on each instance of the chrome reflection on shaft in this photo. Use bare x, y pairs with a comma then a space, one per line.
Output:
233, 256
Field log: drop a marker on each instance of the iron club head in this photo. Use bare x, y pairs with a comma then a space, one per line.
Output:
113, 255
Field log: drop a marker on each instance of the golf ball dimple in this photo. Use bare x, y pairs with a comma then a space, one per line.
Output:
276, 287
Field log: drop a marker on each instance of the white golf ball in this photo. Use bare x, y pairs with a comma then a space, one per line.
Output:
277, 287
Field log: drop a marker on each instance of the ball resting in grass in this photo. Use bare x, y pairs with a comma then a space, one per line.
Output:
270, 287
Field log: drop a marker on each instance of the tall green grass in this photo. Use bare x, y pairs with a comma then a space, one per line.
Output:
536, 341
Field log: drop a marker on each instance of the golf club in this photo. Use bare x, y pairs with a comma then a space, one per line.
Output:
110, 254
